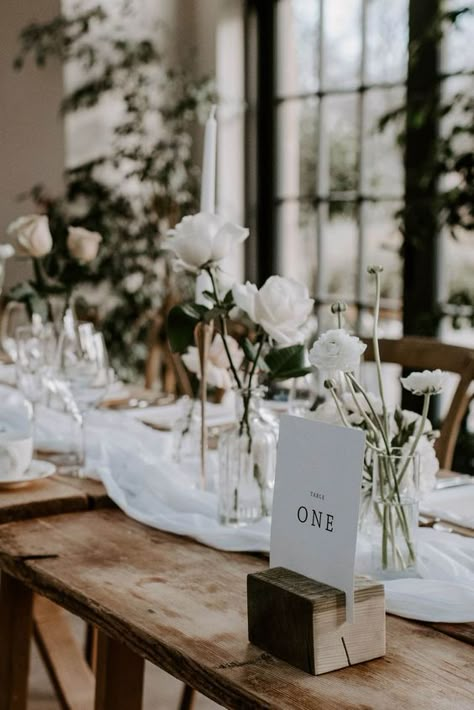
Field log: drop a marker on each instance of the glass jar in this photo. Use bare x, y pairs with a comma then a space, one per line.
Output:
394, 514
247, 460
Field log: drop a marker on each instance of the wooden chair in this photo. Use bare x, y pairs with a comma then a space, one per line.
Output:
430, 354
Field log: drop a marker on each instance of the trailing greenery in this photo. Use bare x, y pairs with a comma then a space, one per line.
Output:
137, 186
453, 164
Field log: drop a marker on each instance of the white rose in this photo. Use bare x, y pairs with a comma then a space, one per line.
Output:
133, 282
337, 350
6, 251
426, 382
218, 373
32, 235
203, 240
280, 307
83, 245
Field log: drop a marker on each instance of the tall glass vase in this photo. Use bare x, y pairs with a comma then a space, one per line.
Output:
247, 460
394, 514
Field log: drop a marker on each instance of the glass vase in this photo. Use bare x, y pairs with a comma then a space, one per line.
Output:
394, 514
247, 460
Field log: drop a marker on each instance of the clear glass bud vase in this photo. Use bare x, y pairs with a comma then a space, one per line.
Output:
394, 519
247, 459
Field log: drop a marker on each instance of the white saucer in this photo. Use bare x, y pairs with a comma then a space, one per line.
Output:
36, 472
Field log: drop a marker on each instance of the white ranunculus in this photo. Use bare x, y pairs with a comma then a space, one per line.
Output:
203, 240
32, 235
83, 244
280, 307
426, 382
6, 251
429, 464
354, 415
409, 417
337, 350
218, 373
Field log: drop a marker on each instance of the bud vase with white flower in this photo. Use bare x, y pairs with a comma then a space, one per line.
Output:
269, 322
59, 262
399, 445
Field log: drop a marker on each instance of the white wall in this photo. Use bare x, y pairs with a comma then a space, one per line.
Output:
31, 133
34, 143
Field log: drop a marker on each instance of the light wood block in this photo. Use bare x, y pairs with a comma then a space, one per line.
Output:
303, 622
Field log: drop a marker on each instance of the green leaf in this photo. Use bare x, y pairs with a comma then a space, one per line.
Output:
182, 321
284, 363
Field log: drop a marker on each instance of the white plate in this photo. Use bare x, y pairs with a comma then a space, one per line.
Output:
36, 472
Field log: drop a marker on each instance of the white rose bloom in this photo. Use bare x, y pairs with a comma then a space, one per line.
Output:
426, 382
204, 240
337, 350
218, 373
280, 307
83, 244
32, 235
6, 251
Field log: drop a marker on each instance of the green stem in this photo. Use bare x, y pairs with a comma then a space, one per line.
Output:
375, 340
223, 332
364, 416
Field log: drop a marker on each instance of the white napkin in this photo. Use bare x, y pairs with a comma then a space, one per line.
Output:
165, 417
455, 505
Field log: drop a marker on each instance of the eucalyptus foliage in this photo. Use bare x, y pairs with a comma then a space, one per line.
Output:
137, 186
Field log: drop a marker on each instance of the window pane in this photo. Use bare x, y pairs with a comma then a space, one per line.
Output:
297, 147
297, 242
384, 242
458, 39
341, 248
340, 117
297, 42
387, 40
384, 173
342, 43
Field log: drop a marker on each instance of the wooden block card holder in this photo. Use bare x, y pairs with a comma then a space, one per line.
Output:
303, 622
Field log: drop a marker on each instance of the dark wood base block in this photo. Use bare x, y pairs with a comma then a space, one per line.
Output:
303, 622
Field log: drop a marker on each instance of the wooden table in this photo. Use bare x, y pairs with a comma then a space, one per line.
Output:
182, 606
65, 662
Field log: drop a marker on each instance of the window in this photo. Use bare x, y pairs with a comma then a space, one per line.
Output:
329, 192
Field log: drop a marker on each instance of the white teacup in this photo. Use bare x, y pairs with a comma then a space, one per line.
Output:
16, 453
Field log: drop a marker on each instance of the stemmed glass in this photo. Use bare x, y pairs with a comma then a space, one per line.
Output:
35, 347
82, 363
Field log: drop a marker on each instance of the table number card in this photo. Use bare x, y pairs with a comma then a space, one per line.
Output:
316, 502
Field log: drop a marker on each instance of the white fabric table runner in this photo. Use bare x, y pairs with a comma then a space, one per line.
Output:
134, 463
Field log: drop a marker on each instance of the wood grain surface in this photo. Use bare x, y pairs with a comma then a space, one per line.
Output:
183, 606
48, 497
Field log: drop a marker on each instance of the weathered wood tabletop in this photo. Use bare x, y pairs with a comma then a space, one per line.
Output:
62, 655
58, 494
183, 606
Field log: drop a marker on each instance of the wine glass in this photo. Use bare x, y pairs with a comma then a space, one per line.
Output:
82, 360
35, 347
